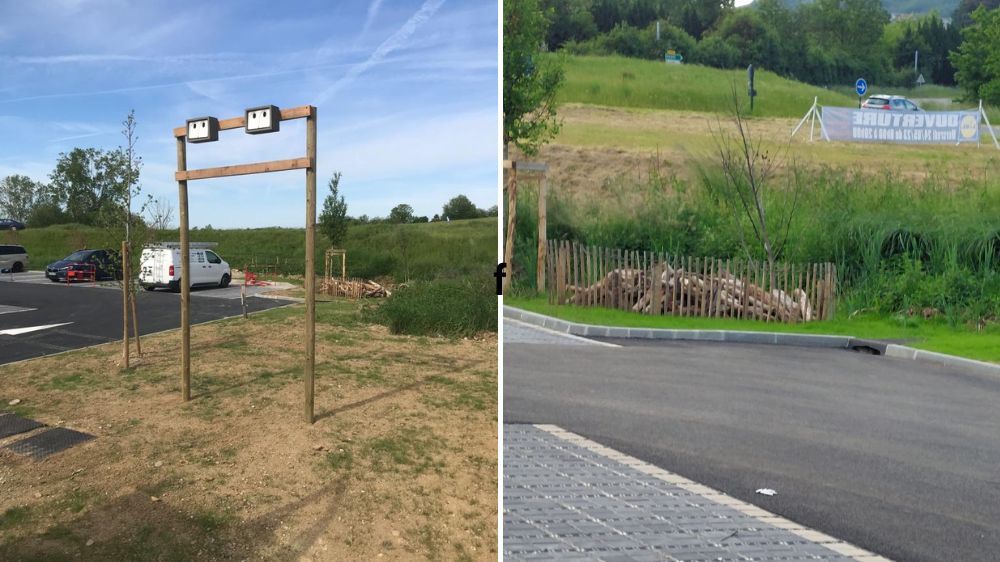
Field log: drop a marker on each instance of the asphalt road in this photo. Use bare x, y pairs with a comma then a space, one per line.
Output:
895, 456
94, 315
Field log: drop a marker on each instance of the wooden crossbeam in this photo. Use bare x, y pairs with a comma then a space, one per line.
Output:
243, 169
240, 122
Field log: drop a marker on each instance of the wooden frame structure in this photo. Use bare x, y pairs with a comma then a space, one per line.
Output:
515, 166
308, 163
330, 254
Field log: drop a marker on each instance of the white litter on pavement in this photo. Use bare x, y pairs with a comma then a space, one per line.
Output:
766, 492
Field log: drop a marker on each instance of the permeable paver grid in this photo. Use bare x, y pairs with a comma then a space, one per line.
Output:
11, 424
43, 444
563, 501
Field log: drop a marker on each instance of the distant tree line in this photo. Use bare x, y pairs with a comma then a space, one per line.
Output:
334, 220
458, 208
823, 42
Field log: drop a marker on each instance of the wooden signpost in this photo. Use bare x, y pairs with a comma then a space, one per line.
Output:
308, 163
515, 167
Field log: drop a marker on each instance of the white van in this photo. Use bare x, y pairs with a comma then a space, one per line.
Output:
13, 258
160, 266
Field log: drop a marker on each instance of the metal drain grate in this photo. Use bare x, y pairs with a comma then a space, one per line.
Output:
12, 425
49, 442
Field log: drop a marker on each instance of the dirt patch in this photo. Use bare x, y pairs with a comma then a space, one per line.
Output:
401, 464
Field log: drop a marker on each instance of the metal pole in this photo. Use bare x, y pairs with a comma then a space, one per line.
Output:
310, 281
989, 127
185, 270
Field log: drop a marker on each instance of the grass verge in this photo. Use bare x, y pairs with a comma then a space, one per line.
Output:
930, 335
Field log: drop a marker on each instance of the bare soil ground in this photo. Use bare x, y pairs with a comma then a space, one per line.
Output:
599, 145
400, 465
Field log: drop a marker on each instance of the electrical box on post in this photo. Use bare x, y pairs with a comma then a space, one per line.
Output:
264, 119
203, 129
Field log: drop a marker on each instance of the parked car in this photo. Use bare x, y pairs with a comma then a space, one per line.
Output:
13, 258
890, 103
160, 267
11, 224
106, 263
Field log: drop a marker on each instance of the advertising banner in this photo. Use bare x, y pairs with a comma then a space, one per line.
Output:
874, 125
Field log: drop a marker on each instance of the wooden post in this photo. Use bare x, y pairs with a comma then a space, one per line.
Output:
542, 234
703, 309
185, 269
508, 253
558, 282
310, 281
125, 342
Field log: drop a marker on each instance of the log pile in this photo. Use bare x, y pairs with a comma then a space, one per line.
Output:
692, 293
352, 288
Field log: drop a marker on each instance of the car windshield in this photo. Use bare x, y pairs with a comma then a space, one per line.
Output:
878, 101
79, 256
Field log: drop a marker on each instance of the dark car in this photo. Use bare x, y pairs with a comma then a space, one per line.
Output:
11, 224
106, 264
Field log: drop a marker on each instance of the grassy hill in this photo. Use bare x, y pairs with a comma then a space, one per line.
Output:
634, 83
410, 251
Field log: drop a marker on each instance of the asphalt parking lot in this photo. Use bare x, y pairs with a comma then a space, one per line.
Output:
38, 317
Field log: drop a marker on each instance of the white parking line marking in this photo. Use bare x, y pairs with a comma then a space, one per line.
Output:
6, 309
19, 331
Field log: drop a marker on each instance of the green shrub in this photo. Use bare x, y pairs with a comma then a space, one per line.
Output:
453, 308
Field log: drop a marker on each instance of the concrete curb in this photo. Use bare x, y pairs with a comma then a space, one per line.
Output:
768, 338
970, 365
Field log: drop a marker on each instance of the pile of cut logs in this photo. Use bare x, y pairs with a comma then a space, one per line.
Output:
693, 293
352, 288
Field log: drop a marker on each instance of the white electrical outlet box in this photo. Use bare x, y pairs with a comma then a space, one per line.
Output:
203, 129
264, 119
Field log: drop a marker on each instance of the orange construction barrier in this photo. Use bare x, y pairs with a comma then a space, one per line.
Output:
87, 273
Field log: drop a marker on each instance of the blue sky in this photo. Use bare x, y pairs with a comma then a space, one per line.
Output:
406, 92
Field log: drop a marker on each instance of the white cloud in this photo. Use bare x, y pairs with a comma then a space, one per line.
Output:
372, 14
426, 11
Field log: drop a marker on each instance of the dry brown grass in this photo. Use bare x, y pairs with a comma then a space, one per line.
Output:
407, 426
600, 145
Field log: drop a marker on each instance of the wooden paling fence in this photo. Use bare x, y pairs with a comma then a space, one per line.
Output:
657, 283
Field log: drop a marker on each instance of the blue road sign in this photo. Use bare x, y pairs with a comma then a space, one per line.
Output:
861, 86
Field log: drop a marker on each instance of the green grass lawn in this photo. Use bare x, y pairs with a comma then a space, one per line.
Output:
616, 81
409, 251
930, 335
626, 82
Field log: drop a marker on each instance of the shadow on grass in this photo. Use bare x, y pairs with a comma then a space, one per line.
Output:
391, 392
370, 399
133, 527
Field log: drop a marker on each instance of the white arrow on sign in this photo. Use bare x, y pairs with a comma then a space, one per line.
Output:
19, 331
